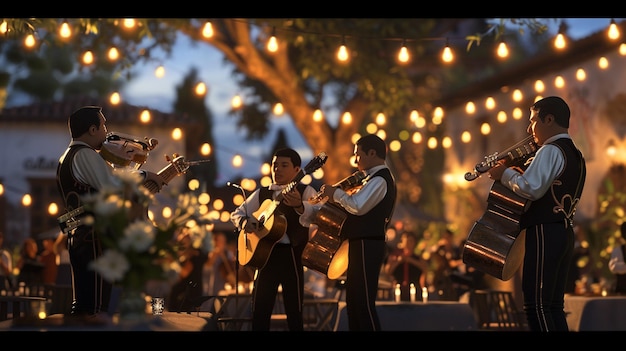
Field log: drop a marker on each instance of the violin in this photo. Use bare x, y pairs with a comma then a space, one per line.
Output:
124, 150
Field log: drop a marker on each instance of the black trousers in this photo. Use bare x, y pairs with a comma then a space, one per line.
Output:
284, 267
91, 292
365, 259
549, 249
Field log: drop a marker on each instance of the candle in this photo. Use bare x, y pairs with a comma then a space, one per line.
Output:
412, 290
397, 292
424, 294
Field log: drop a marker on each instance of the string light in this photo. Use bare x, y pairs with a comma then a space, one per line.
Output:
272, 43
403, 55
207, 30
65, 31
559, 41
447, 55
113, 54
342, 53
88, 57
613, 31
30, 41
503, 50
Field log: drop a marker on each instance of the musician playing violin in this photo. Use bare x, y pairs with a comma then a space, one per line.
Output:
82, 170
554, 182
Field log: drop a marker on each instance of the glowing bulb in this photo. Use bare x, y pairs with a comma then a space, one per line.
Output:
318, 116
4, 26
381, 119
205, 149
207, 30
159, 72
29, 41
346, 118
27, 200
272, 44
342, 53
201, 89
177, 133
470, 108
278, 109
236, 102
447, 56
113, 54
115, 98
145, 117
403, 55
65, 31
559, 41
539, 86
129, 23
503, 50
613, 30
88, 58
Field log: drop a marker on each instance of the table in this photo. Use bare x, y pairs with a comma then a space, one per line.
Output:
19, 306
168, 321
418, 316
606, 313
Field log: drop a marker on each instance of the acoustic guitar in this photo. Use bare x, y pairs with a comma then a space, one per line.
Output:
495, 245
254, 248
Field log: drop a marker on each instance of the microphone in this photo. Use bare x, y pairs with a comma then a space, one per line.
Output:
245, 207
234, 185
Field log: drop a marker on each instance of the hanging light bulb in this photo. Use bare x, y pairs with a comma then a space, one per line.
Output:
342, 53
65, 31
272, 44
447, 55
613, 30
113, 54
559, 41
207, 30
403, 55
503, 50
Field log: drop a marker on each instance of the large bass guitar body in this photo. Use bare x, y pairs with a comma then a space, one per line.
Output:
495, 244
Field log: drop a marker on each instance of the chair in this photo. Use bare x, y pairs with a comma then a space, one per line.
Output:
496, 310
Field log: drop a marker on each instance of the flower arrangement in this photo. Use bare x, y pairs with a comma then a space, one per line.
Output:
136, 249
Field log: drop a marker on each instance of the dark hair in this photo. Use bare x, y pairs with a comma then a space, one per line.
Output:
553, 105
292, 154
82, 119
373, 142
622, 229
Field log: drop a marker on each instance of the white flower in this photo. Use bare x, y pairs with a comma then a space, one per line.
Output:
112, 265
108, 205
138, 236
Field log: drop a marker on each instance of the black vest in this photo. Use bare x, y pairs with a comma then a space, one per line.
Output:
373, 224
298, 235
560, 201
71, 189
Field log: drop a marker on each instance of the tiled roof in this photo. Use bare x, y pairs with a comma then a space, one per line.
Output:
59, 111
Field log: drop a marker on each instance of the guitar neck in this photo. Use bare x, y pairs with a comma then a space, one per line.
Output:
168, 173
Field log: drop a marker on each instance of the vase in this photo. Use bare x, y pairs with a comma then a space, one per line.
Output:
132, 306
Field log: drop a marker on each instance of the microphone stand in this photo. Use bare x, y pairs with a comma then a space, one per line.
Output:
243, 192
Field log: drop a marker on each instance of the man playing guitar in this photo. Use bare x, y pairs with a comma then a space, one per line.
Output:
283, 265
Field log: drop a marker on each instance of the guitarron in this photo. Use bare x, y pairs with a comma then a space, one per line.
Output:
495, 245
326, 251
